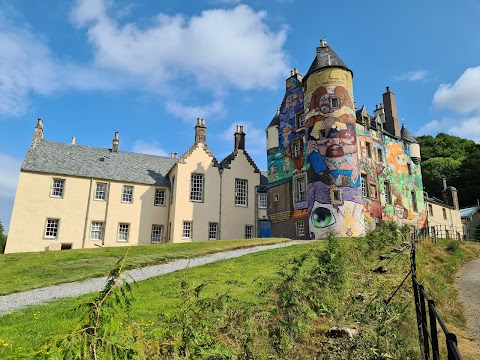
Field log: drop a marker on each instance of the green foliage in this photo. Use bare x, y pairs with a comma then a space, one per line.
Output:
386, 234
3, 239
476, 234
452, 246
434, 170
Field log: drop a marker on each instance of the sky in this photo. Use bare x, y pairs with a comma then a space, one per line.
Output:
148, 69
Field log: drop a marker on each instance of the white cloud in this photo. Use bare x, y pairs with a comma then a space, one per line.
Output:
218, 48
462, 96
8, 186
468, 128
411, 76
255, 141
152, 148
190, 113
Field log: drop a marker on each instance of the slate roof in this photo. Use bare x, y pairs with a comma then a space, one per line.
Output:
276, 120
263, 181
467, 212
325, 58
85, 161
406, 135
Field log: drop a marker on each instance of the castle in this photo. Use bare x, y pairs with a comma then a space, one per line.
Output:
333, 168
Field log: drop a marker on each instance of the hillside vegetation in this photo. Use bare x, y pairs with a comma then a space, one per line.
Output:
455, 159
274, 304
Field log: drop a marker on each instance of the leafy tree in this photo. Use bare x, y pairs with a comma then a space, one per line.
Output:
434, 170
3, 238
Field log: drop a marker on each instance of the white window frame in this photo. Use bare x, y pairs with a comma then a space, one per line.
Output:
248, 231
157, 234
52, 226
364, 184
187, 230
241, 192
127, 194
300, 228
262, 200
96, 230
101, 191
212, 231
197, 184
300, 187
387, 192
296, 149
301, 120
58, 188
123, 233
159, 199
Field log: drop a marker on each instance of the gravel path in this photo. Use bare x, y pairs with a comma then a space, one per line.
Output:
468, 285
17, 301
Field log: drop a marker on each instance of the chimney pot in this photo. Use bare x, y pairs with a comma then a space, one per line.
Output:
295, 70
200, 131
115, 143
174, 155
388, 88
292, 72
239, 138
73, 140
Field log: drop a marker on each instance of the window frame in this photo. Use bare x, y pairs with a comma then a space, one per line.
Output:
156, 198
97, 192
185, 230
387, 192
372, 191
444, 212
56, 229
156, 234
364, 184
241, 199
379, 155
413, 195
430, 209
368, 149
262, 200
300, 232
337, 99
54, 188
298, 180
296, 149
96, 230
212, 229
300, 120
124, 194
248, 231
409, 169
127, 227
197, 188
276, 197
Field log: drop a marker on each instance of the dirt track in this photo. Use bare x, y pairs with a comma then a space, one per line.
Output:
468, 285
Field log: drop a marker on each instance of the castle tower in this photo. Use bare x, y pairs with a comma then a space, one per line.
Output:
334, 193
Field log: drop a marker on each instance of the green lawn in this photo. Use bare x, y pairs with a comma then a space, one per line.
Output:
26, 271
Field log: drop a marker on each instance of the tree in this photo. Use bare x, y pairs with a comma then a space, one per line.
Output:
3, 238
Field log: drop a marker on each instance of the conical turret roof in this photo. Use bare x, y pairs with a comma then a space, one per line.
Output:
325, 58
406, 135
276, 119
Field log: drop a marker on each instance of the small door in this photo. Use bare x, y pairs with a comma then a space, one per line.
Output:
265, 229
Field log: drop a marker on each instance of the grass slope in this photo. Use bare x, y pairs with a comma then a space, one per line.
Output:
26, 271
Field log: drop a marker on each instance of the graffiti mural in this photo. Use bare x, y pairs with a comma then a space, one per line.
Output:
334, 195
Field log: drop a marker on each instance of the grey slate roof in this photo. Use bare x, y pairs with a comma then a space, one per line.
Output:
325, 58
263, 181
85, 161
275, 121
406, 135
467, 212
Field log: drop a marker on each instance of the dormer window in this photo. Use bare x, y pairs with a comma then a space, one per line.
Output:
334, 103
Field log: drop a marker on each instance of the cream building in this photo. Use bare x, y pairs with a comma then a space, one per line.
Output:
72, 197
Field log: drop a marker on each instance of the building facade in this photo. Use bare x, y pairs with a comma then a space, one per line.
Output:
333, 168
72, 197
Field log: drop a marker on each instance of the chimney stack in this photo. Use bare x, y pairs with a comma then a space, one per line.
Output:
174, 155
392, 125
38, 132
73, 140
200, 131
239, 138
115, 143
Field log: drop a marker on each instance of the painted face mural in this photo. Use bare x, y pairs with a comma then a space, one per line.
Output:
334, 194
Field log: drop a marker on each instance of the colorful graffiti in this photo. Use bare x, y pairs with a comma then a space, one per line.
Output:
334, 195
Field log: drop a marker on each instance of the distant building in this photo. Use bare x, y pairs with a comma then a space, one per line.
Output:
72, 197
333, 167
470, 220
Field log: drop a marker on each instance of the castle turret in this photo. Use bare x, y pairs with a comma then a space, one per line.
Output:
272, 133
334, 194
414, 146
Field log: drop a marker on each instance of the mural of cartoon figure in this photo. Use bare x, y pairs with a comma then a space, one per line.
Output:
287, 136
334, 210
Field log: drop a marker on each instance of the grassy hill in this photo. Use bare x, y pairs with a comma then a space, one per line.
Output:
274, 304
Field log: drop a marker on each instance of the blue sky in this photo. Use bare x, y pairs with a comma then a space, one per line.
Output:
148, 69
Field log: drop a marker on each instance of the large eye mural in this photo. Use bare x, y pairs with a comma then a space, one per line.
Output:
321, 217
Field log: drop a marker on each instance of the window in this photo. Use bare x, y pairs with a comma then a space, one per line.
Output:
187, 230
380, 155
51, 228
414, 201
444, 213
66, 246
157, 232
430, 209
276, 197
196, 187
300, 228
262, 200
241, 192
296, 149
363, 180
248, 231
336, 196
335, 103
369, 149
386, 190
212, 231
96, 230
373, 191
300, 120
300, 186
57, 187
101, 191
123, 230
409, 169
127, 194
159, 197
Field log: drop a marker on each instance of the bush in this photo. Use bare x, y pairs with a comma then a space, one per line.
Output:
452, 246
3, 239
